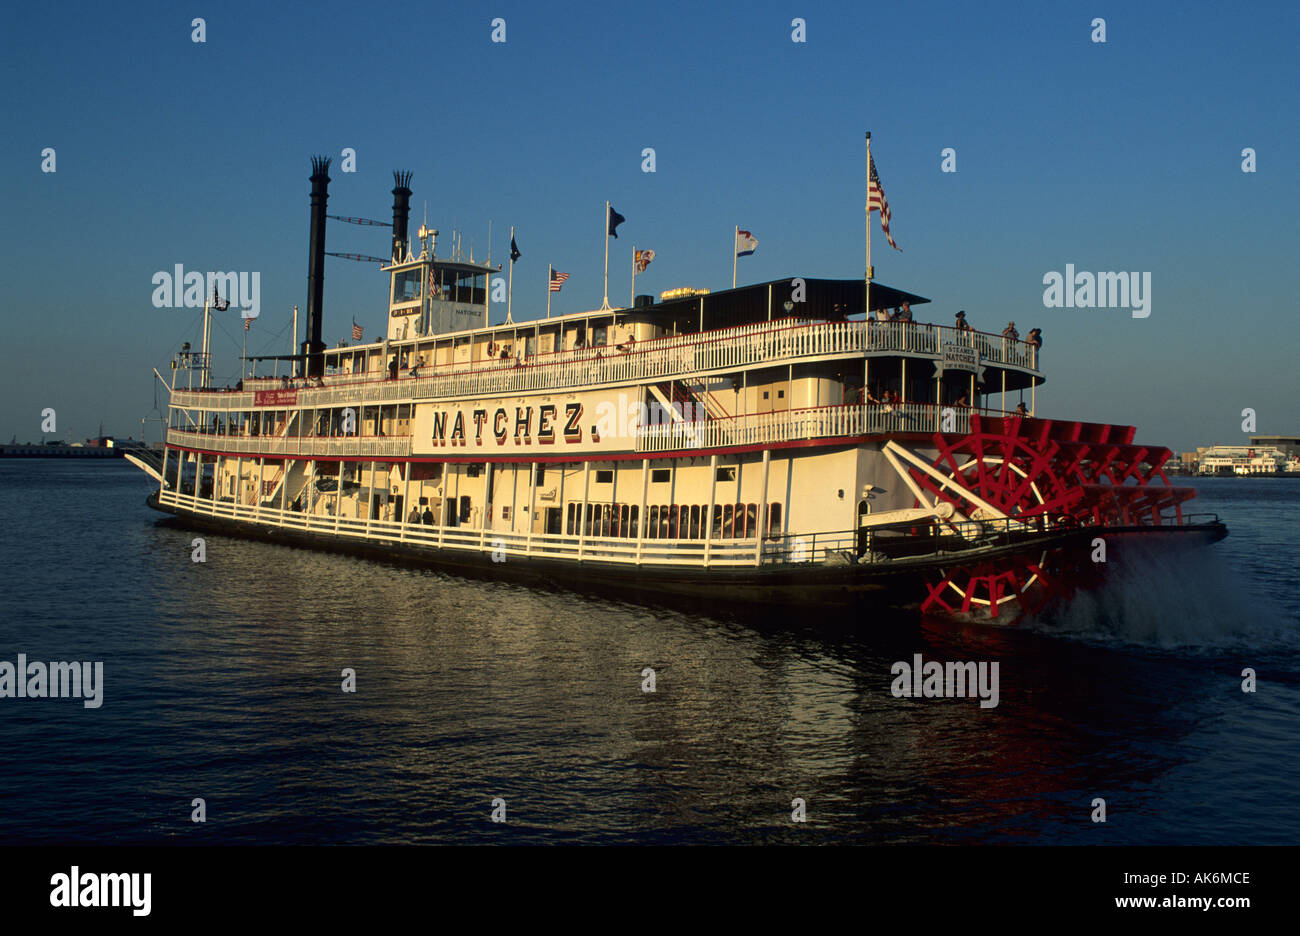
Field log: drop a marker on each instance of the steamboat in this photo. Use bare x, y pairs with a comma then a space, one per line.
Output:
779, 443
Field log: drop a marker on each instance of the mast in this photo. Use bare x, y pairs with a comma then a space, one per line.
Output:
869, 272
735, 258
207, 339
510, 277
604, 305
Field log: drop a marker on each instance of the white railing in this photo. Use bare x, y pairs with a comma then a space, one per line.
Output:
690, 552
820, 422
337, 446
662, 358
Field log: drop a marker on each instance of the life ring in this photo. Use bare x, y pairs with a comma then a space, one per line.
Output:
492, 349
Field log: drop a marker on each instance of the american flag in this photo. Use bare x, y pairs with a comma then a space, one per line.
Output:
356, 331
557, 280
876, 200
642, 259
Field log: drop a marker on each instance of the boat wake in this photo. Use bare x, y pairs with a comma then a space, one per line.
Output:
1170, 598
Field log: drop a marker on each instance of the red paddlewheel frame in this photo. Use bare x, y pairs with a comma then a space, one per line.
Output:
1013, 581
1089, 473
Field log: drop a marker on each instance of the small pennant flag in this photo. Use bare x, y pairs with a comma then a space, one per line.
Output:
615, 219
642, 259
356, 331
876, 201
247, 322
514, 251
745, 243
557, 280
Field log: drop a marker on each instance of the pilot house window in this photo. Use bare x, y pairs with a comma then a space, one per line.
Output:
406, 286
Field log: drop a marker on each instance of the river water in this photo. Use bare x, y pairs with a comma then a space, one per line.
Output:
222, 681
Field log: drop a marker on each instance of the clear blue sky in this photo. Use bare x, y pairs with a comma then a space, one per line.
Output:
1115, 156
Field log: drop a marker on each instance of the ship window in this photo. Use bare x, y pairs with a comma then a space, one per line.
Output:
505, 513
780, 394
635, 520
773, 519
663, 522
406, 286
726, 474
605, 476
598, 336
717, 522
652, 528
695, 521
765, 394
541, 475
569, 522
674, 516
751, 520
661, 475
727, 516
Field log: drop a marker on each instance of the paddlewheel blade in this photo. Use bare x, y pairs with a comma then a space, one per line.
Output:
1063, 473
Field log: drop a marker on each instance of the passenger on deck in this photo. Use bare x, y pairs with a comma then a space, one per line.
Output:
414, 518
1010, 332
962, 400
627, 345
1035, 337
882, 315
905, 313
427, 517
392, 367
871, 397
414, 372
962, 324
284, 383
1021, 410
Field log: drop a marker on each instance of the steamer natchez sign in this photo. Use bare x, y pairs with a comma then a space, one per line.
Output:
579, 422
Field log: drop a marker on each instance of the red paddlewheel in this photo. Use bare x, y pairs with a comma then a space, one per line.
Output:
1091, 473
1002, 589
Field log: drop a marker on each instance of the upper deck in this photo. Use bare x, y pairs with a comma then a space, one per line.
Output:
609, 349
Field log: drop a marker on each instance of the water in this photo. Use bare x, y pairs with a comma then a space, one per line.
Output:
222, 681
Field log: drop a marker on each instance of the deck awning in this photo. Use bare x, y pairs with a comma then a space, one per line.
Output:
822, 299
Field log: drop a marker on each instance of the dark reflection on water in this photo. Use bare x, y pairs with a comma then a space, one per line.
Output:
223, 682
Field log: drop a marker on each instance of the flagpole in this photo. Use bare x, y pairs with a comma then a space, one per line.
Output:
605, 303
207, 333
550, 273
735, 236
632, 301
869, 271
510, 279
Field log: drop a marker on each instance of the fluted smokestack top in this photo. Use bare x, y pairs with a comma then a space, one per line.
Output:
320, 166
401, 212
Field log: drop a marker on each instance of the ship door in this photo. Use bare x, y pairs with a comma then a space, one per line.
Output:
554, 520
864, 532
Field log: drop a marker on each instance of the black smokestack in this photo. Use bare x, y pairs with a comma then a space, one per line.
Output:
313, 347
401, 213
